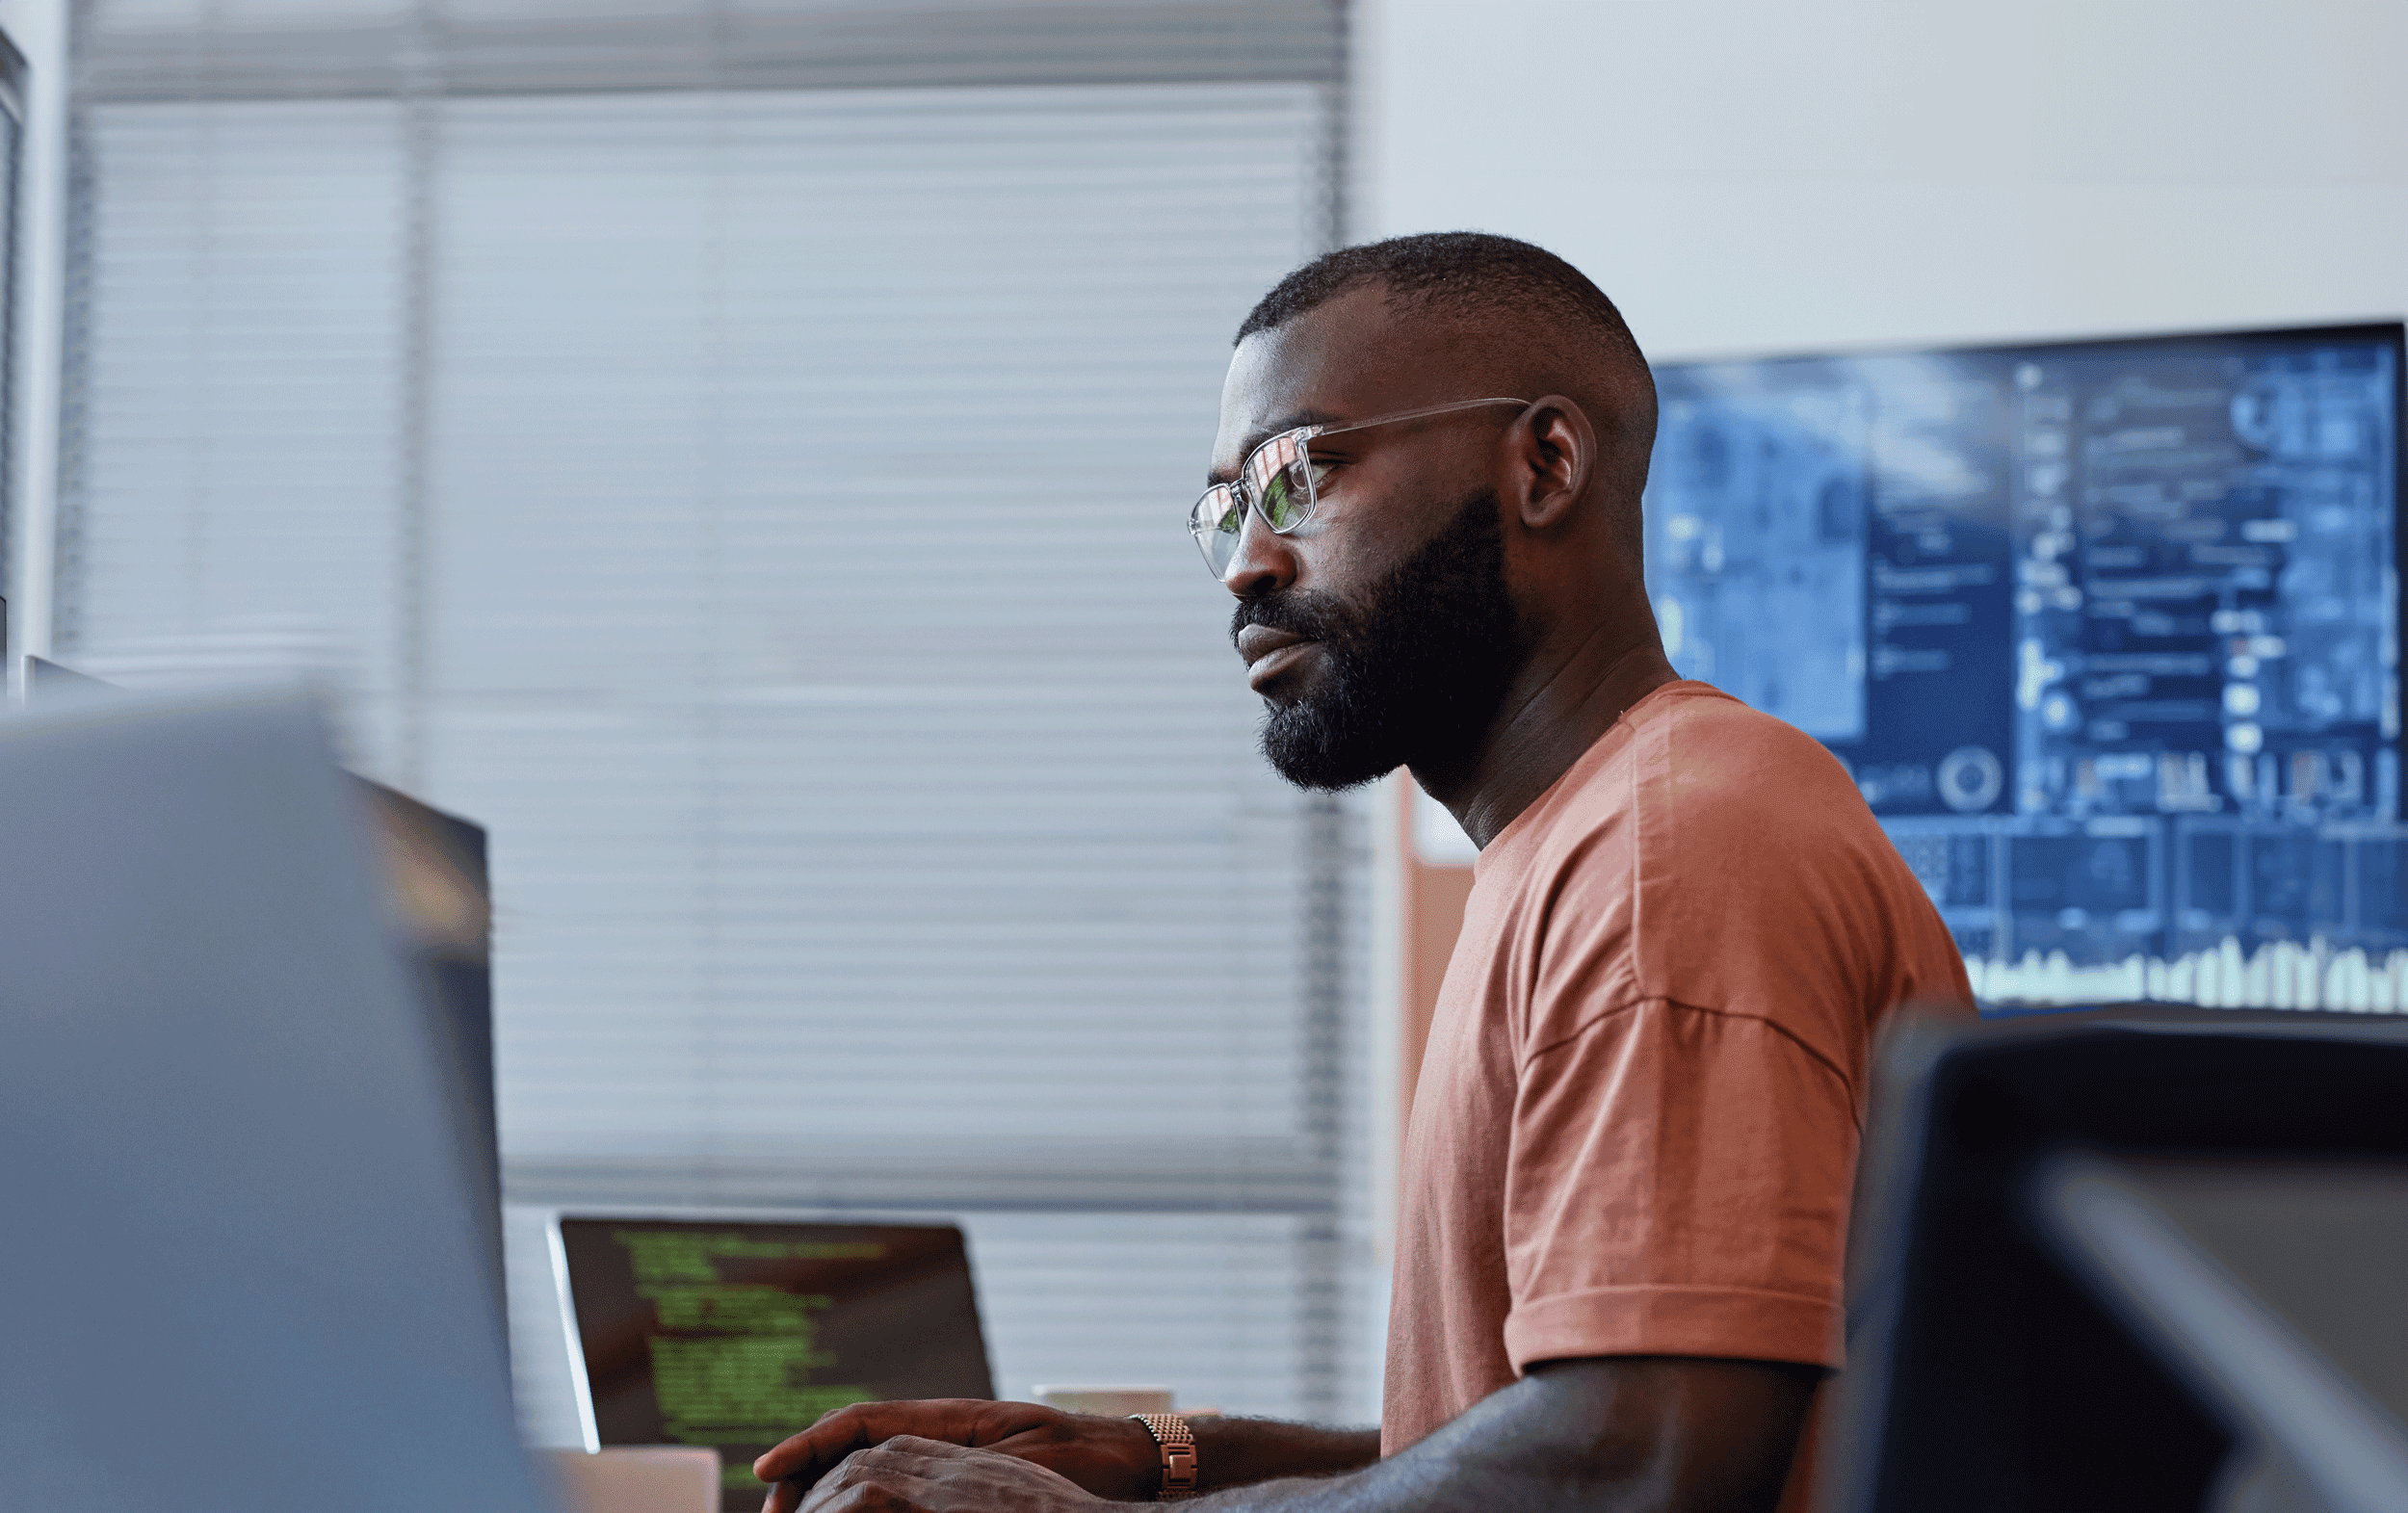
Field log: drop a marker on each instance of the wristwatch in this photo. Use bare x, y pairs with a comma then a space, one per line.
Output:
1178, 1446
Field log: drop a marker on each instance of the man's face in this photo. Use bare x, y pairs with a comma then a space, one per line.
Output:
1381, 632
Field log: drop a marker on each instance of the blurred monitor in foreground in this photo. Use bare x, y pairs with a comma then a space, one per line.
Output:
244, 1266
2108, 634
2144, 1263
439, 904
736, 1335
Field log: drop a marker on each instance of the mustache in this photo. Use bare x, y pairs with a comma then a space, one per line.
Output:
1312, 615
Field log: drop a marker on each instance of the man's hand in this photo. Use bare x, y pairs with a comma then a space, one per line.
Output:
911, 1474
1114, 1459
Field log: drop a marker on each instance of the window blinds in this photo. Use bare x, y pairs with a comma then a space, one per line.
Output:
759, 505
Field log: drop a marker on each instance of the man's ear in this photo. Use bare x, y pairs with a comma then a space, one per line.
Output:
1555, 453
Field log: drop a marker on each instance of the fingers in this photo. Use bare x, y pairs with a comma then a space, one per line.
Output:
892, 1477
937, 1433
807, 1456
799, 1463
835, 1435
912, 1475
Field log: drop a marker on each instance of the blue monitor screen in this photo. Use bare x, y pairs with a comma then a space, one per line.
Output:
2106, 633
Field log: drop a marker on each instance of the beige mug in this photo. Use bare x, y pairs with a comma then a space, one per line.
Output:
639, 1479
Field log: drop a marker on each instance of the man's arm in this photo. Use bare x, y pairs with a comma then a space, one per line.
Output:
1245, 1451
1117, 1459
1610, 1435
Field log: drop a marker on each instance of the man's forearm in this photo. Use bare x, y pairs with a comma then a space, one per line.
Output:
1410, 1483
1431, 1483
1240, 1452
1602, 1435
1581, 1437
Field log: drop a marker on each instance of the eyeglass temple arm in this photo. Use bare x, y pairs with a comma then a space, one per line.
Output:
1414, 414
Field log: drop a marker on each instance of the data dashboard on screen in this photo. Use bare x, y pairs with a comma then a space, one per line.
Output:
2108, 634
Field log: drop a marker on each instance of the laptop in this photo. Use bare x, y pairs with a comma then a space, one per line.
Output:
244, 1268
735, 1333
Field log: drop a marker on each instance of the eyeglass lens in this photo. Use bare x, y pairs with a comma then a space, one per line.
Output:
1278, 477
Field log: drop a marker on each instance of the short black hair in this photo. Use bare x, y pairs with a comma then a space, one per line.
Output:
1542, 308
1470, 272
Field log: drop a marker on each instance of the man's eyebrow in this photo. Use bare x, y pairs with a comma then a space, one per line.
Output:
1286, 423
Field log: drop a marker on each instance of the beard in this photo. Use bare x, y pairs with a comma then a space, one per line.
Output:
1413, 673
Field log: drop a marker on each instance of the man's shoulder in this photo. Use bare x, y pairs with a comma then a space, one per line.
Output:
1710, 747
1697, 761
1694, 794
1713, 857
1733, 834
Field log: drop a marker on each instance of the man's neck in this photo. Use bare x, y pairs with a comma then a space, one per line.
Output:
1547, 727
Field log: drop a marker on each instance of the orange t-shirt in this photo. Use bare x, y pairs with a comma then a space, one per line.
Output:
1635, 1127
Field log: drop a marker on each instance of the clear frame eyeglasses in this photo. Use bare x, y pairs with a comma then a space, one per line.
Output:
1280, 482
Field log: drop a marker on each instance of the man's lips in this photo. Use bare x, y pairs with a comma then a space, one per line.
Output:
1257, 641
1269, 652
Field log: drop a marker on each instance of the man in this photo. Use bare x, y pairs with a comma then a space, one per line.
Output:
1617, 1277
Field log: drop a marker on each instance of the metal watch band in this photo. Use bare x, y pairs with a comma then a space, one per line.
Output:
1178, 1446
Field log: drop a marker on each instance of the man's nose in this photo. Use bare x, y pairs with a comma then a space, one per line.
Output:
1265, 562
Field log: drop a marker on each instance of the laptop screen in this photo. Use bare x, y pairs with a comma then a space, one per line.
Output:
737, 1335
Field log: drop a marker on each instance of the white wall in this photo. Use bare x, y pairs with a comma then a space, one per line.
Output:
1765, 176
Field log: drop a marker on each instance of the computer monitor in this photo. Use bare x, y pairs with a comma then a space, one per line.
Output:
439, 902
2130, 1261
2107, 632
244, 1266
736, 1334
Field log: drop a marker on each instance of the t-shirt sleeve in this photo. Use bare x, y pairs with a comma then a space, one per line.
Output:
1678, 1185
